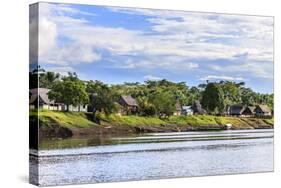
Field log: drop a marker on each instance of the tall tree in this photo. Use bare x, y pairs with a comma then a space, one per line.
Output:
248, 97
102, 98
69, 92
164, 103
194, 94
213, 98
47, 79
232, 92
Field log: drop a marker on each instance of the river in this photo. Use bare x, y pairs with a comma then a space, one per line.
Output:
154, 156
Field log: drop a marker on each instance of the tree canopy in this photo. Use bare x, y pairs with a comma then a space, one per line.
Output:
102, 97
213, 99
153, 97
69, 91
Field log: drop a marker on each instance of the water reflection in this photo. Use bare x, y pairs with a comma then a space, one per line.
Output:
122, 158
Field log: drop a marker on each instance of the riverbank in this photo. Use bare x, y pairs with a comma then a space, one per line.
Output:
66, 124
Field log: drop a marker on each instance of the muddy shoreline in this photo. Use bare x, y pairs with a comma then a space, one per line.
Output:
63, 132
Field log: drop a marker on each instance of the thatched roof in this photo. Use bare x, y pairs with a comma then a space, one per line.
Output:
249, 110
236, 109
264, 108
41, 93
129, 100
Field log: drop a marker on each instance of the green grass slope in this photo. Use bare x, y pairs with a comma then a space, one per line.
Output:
80, 120
64, 119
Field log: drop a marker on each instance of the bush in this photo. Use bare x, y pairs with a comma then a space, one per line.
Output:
149, 110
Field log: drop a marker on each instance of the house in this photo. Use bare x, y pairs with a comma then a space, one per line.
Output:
249, 111
178, 109
236, 110
187, 110
263, 110
128, 105
197, 108
39, 99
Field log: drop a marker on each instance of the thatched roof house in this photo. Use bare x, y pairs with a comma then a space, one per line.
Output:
39, 96
263, 110
249, 111
128, 104
236, 109
128, 101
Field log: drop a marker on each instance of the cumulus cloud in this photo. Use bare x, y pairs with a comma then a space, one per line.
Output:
252, 69
52, 22
167, 63
176, 40
47, 35
235, 34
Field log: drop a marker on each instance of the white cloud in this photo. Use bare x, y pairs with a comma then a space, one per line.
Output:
247, 34
52, 21
71, 54
151, 77
47, 35
218, 77
253, 69
167, 63
179, 37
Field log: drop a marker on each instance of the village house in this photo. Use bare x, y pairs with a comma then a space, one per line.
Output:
235, 110
187, 110
39, 99
263, 110
128, 105
249, 111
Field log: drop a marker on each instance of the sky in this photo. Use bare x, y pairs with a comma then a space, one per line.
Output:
117, 45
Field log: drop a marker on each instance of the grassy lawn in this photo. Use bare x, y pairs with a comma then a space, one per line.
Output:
269, 121
64, 119
236, 122
194, 120
130, 120
79, 120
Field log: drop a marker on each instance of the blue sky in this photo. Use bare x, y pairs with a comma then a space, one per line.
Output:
117, 45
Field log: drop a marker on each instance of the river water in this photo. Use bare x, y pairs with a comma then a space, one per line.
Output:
155, 156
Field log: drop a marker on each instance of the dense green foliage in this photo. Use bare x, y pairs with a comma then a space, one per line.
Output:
102, 98
164, 103
213, 99
48, 79
154, 97
70, 91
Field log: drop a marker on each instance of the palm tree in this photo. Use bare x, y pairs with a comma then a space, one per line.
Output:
52, 77
48, 79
